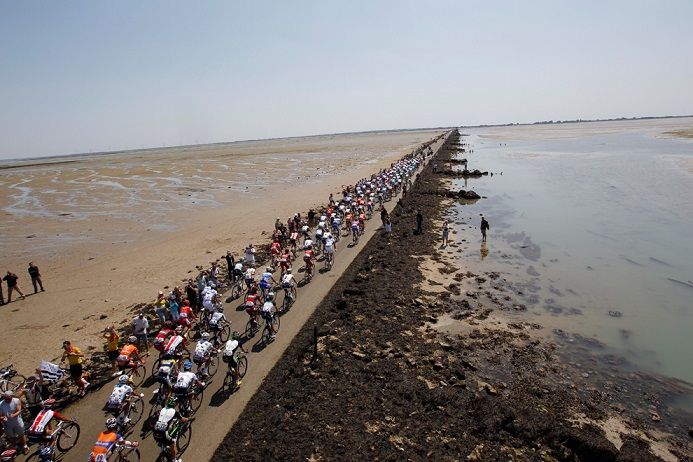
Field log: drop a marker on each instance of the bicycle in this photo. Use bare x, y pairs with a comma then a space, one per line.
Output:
10, 379
137, 373
237, 289
270, 330
329, 260
289, 299
191, 403
183, 430
308, 274
123, 453
231, 379
134, 414
64, 438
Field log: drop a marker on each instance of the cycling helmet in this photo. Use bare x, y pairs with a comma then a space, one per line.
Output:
212, 285
328, 236
288, 271
205, 336
235, 335
270, 296
132, 339
111, 423
46, 453
123, 378
171, 403
179, 330
167, 356
187, 365
49, 403
168, 324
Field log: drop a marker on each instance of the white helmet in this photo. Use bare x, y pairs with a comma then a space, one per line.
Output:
123, 378
205, 335
270, 296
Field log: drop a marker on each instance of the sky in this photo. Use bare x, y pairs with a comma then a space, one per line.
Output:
86, 76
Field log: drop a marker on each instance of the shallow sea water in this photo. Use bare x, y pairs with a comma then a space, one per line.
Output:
589, 224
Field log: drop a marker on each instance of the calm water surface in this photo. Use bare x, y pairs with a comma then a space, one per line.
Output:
590, 224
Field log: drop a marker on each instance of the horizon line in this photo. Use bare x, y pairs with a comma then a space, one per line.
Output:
156, 148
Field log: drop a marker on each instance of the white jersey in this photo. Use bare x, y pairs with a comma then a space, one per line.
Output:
120, 392
217, 318
185, 379
202, 350
230, 347
268, 307
238, 267
287, 279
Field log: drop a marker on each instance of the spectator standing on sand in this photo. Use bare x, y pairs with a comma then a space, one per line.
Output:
388, 226
2, 296
112, 350
446, 231
11, 415
35, 277
383, 215
191, 293
419, 221
173, 307
34, 393
484, 227
160, 307
140, 325
230, 263
12, 285
250, 255
75, 358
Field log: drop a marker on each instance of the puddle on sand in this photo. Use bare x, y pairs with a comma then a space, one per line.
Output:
591, 233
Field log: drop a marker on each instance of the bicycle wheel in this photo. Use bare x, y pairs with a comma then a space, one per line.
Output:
251, 329
136, 410
183, 440
13, 383
276, 322
138, 374
224, 334
213, 366
229, 382
34, 457
129, 455
196, 400
242, 366
155, 366
235, 292
68, 437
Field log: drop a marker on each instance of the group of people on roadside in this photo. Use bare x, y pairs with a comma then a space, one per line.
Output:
12, 281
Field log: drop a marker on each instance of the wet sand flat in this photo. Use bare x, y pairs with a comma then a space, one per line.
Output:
111, 230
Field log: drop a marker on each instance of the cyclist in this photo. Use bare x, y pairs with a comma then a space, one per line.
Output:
330, 247
41, 429
230, 358
268, 310
107, 441
129, 355
289, 283
275, 250
238, 269
216, 324
203, 354
119, 402
186, 315
167, 373
163, 335
184, 383
176, 345
336, 225
267, 281
285, 261
355, 229
308, 259
167, 427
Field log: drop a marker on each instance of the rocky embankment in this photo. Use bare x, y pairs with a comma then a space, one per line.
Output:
382, 382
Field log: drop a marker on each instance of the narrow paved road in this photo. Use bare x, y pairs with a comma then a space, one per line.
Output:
218, 411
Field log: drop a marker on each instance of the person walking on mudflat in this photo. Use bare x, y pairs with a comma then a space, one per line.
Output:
484, 227
35, 277
419, 221
12, 285
446, 232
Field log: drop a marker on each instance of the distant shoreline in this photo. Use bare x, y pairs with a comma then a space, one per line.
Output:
73, 157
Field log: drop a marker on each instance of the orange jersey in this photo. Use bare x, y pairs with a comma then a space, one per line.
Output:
128, 350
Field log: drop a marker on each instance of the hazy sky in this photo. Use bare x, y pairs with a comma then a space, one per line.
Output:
95, 75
